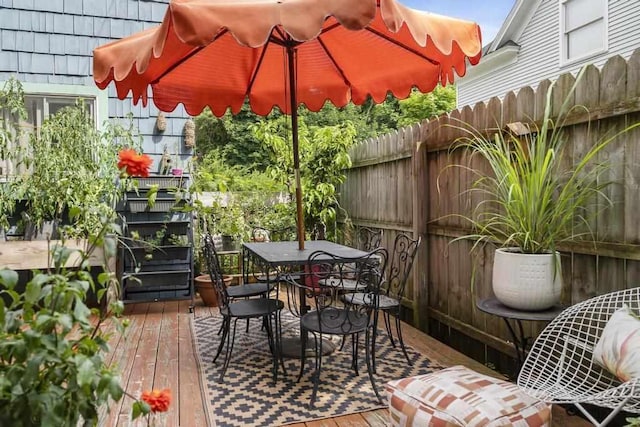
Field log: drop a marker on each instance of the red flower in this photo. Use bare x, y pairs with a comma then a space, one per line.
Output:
158, 400
134, 164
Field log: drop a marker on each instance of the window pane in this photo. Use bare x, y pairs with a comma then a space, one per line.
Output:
57, 104
585, 40
35, 108
582, 12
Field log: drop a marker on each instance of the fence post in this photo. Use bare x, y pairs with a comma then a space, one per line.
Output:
420, 189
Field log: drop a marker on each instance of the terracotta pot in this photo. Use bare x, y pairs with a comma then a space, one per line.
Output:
207, 292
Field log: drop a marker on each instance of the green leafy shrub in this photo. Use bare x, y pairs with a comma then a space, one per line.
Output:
52, 346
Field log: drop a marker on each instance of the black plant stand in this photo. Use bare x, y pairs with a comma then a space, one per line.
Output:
157, 257
519, 340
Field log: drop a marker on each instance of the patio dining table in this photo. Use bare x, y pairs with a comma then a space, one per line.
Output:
272, 256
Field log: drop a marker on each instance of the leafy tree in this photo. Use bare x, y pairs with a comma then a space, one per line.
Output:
211, 132
231, 136
235, 150
214, 173
323, 159
419, 106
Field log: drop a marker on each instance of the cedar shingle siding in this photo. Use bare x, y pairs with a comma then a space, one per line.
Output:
51, 42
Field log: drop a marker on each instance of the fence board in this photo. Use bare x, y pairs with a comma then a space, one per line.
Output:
398, 187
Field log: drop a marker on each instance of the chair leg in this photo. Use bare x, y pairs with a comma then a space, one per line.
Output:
373, 340
225, 330
344, 338
316, 374
303, 353
370, 370
399, 333
230, 341
387, 324
269, 322
354, 352
279, 342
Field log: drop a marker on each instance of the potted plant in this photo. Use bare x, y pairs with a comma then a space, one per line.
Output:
533, 203
229, 222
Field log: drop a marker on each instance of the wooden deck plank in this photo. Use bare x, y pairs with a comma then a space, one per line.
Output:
328, 422
124, 355
351, 420
143, 367
159, 331
114, 340
377, 418
167, 361
191, 407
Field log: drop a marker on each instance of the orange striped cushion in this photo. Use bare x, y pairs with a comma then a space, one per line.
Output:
458, 396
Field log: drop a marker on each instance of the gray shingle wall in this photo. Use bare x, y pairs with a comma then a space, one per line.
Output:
52, 41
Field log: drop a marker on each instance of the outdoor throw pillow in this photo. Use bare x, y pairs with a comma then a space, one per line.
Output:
618, 349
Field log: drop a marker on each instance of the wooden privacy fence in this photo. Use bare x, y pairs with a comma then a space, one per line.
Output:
401, 182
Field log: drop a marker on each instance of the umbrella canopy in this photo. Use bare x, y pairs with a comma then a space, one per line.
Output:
218, 53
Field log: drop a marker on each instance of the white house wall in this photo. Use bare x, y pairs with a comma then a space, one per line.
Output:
539, 55
51, 42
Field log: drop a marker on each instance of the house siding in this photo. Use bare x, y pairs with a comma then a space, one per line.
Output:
51, 42
539, 55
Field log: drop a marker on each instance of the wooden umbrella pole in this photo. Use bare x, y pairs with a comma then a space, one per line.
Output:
294, 137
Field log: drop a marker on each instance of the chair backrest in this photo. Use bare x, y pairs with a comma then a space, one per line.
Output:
404, 253
213, 265
328, 272
368, 239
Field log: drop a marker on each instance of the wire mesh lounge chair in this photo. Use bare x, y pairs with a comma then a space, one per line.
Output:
560, 368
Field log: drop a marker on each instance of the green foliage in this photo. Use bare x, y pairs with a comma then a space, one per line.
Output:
12, 105
234, 151
633, 421
52, 346
73, 168
236, 145
323, 159
66, 171
231, 137
213, 173
532, 201
420, 106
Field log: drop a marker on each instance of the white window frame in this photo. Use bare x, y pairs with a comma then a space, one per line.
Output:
76, 91
100, 103
563, 39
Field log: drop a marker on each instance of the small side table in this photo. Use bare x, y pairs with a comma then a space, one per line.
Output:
520, 342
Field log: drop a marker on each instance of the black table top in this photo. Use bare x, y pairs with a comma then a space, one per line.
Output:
493, 306
287, 253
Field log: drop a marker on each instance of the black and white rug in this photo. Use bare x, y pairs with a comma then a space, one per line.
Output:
248, 396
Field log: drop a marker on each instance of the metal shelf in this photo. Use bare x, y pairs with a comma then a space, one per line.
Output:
160, 265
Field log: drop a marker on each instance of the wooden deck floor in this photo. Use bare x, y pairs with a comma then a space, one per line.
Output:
157, 352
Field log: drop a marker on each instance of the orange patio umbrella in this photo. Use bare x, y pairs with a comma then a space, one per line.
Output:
283, 53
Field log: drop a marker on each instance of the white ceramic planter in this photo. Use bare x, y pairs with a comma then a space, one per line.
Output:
527, 281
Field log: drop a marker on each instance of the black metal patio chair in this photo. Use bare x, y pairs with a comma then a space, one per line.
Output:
232, 310
393, 289
368, 239
322, 284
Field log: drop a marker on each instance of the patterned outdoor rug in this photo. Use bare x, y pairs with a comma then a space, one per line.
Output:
248, 397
